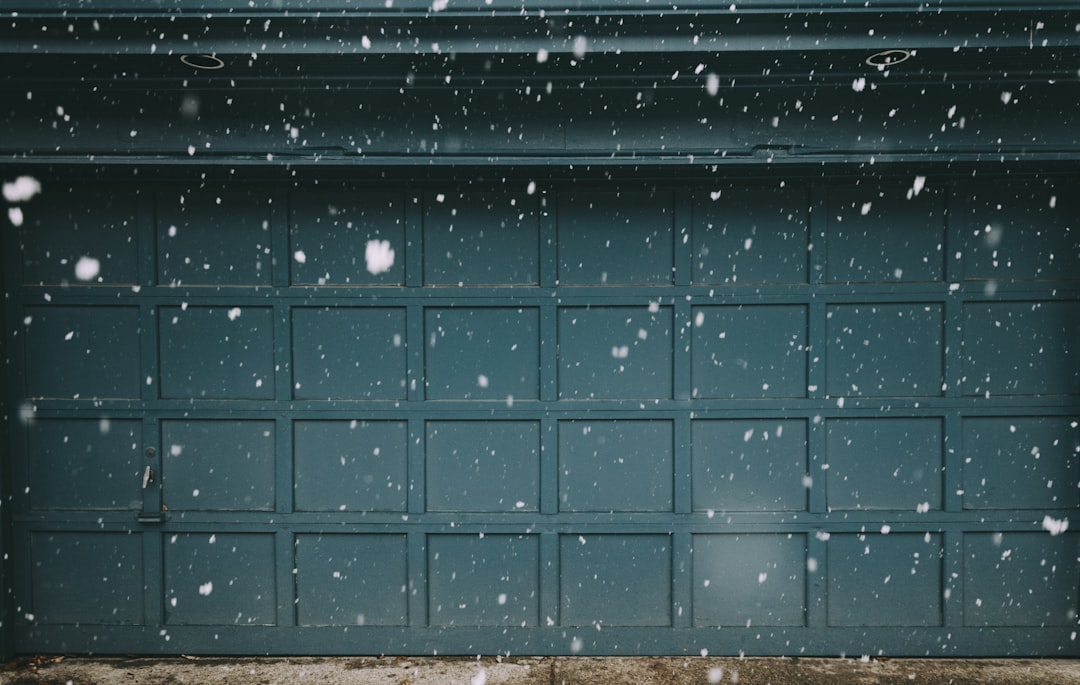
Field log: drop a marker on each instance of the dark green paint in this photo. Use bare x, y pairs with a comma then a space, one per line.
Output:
350, 466
709, 337
571, 455
748, 581
877, 579
750, 465
483, 581
351, 580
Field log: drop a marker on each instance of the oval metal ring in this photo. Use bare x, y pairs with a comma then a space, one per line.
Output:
211, 62
887, 58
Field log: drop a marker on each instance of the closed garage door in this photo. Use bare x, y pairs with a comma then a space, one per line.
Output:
776, 416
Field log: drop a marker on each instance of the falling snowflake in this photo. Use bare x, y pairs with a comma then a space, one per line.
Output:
712, 86
379, 256
1054, 526
87, 268
21, 189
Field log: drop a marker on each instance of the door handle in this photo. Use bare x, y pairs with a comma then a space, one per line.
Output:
147, 477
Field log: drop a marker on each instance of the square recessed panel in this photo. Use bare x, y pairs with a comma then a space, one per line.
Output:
616, 465
488, 580
350, 465
1022, 348
1021, 579
225, 579
910, 227
615, 580
86, 578
615, 238
85, 463
1021, 231
83, 240
82, 352
615, 353
483, 466
214, 237
885, 350
490, 353
749, 352
751, 235
348, 353
481, 239
331, 232
749, 580
218, 465
885, 580
884, 464
217, 352
351, 580
749, 465
1021, 462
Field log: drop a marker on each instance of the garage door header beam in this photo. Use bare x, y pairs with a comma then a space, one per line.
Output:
517, 7
802, 28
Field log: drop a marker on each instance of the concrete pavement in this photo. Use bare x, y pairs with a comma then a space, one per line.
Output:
535, 671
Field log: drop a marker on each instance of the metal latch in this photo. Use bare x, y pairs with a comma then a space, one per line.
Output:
147, 477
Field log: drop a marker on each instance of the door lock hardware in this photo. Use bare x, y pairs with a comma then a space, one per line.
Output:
147, 477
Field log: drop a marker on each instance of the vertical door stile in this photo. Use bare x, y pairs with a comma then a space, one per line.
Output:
818, 219
953, 368
416, 350
280, 244
682, 225
285, 583
549, 466
683, 466
14, 573
816, 423
682, 578
417, 569
549, 265
17, 407
952, 573
817, 567
550, 592
283, 447
682, 386
151, 448
152, 543
414, 239
549, 353
417, 476
281, 262
817, 344
284, 543
282, 318
952, 476
149, 334
7, 425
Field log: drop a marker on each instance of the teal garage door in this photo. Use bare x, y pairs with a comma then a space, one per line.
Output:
791, 415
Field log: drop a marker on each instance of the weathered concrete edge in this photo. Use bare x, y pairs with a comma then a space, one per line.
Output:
536, 671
